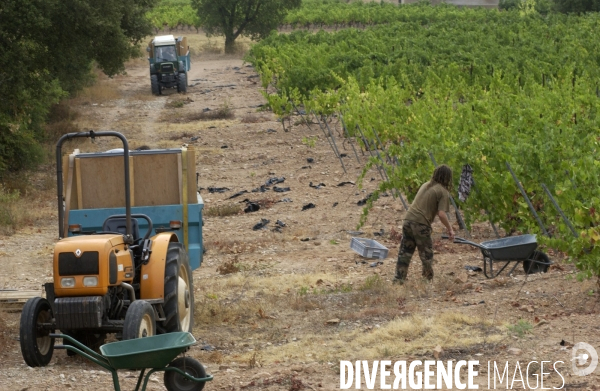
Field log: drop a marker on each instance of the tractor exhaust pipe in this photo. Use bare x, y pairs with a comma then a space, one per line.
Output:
59, 179
129, 289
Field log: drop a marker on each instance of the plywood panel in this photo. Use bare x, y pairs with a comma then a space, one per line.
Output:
65, 173
182, 47
18, 295
15, 300
98, 181
156, 179
102, 182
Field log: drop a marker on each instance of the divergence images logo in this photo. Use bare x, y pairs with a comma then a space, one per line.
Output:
580, 358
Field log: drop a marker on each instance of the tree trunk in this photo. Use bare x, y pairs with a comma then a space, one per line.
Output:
229, 41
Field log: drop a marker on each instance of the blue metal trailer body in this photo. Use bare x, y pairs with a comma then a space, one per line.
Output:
92, 220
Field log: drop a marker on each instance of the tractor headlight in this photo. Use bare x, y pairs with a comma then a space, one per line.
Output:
67, 282
90, 281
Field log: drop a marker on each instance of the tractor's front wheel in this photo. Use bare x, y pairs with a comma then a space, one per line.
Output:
179, 291
182, 82
140, 321
154, 84
36, 344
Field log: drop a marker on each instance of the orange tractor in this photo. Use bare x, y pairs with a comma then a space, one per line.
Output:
119, 269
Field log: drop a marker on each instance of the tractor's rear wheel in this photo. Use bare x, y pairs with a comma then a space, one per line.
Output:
36, 344
140, 321
179, 291
176, 382
154, 84
182, 82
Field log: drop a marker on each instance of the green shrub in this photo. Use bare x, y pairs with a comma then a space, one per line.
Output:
19, 148
373, 282
520, 328
509, 4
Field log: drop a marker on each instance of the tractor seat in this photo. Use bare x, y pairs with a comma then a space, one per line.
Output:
119, 225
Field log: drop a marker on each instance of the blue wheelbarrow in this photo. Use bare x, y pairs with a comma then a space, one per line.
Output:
157, 352
498, 254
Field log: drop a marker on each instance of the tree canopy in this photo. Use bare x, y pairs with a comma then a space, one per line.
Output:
577, 6
545, 6
251, 18
47, 49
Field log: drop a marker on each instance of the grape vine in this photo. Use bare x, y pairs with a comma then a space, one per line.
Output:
472, 86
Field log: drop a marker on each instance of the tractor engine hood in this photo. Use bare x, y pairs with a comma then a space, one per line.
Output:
88, 265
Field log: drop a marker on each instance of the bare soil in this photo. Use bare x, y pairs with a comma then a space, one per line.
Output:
277, 309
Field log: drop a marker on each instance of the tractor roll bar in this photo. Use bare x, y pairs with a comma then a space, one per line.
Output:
59, 179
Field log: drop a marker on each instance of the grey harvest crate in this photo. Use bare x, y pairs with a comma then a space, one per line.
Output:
369, 248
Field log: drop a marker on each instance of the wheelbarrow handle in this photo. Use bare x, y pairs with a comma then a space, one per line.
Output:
82, 350
460, 240
456, 239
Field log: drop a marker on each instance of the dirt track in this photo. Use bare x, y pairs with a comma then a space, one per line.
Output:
300, 299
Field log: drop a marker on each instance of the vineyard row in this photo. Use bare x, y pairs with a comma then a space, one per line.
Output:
479, 87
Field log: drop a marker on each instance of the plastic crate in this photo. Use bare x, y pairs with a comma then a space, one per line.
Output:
369, 248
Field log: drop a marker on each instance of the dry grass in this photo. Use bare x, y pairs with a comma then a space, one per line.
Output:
241, 299
178, 103
180, 136
167, 144
223, 112
200, 44
102, 91
62, 112
56, 130
238, 246
267, 203
5, 331
254, 118
255, 360
15, 208
373, 318
229, 267
414, 335
195, 128
211, 46
214, 357
223, 210
270, 285
451, 286
60, 121
144, 97
418, 335
213, 309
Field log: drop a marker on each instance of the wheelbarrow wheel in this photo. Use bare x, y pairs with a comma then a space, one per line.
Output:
176, 382
37, 346
179, 292
139, 321
539, 263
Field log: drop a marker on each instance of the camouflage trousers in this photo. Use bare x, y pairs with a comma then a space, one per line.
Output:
415, 235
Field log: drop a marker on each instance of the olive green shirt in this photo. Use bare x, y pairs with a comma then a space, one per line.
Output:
427, 203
